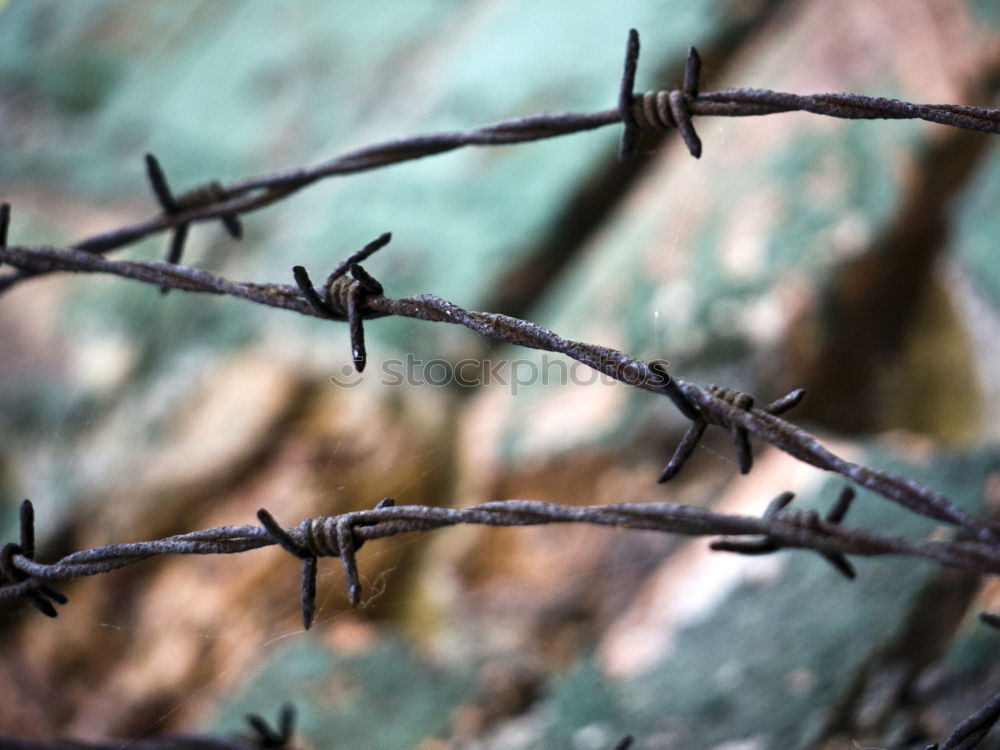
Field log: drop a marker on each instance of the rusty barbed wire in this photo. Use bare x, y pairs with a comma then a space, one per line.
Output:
4, 223
974, 729
207, 194
656, 110
360, 298
24, 577
263, 736
990, 619
351, 295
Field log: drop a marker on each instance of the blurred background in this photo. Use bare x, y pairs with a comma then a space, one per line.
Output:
855, 259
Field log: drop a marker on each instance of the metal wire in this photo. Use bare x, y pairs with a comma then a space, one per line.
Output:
351, 295
657, 110
23, 577
974, 729
262, 736
702, 406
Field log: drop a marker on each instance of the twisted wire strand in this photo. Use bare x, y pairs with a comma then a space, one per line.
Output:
974, 729
657, 110
703, 406
263, 735
342, 535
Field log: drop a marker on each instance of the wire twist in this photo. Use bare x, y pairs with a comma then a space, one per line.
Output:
40, 595
728, 405
700, 405
343, 535
657, 110
344, 296
209, 194
357, 297
321, 537
807, 519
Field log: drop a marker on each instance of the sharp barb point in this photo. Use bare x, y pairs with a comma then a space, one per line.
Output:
840, 507
54, 595
42, 604
785, 403
692, 72
4, 223
27, 522
779, 503
233, 226
304, 282
308, 595
626, 93
744, 452
161, 189
286, 721
990, 619
260, 726
841, 564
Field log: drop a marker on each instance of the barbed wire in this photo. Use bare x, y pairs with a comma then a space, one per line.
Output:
263, 736
24, 577
351, 295
968, 734
653, 111
358, 297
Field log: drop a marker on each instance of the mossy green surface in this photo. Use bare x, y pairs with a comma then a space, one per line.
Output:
977, 227
226, 90
778, 659
711, 322
386, 698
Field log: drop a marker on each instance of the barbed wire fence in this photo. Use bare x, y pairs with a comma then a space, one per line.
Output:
351, 295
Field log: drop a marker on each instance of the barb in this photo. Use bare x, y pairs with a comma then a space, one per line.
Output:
741, 440
974, 729
344, 298
990, 619
360, 298
274, 738
626, 95
343, 535
40, 595
262, 736
206, 195
4, 223
807, 518
351, 295
656, 110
